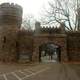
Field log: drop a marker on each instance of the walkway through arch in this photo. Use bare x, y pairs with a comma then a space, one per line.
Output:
49, 52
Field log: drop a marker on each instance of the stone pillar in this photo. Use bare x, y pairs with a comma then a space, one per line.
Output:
37, 28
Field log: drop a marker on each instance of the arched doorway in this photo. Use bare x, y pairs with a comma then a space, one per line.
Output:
49, 52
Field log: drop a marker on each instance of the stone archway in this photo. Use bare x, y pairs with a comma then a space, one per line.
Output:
58, 39
49, 52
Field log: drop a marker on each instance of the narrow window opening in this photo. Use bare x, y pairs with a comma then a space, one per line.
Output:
4, 39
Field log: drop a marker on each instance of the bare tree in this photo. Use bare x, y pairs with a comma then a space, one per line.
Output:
28, 22
78, 15
63, 11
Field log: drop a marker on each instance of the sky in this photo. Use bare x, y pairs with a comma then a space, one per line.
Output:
29, 6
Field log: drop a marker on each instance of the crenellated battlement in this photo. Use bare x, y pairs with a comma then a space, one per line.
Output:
49, 29
11, 5
10, 9
10, 13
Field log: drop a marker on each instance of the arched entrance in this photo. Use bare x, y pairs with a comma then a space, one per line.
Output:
49, 52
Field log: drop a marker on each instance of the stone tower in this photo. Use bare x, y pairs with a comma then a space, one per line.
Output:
10, 22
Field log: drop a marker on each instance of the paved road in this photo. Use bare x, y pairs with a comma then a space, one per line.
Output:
53, 71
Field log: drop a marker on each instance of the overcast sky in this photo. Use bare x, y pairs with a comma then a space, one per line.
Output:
29, 6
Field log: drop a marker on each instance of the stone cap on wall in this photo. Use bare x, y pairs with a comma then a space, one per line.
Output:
51, 35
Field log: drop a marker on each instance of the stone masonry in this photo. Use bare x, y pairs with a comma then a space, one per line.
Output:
18, 45
10, 22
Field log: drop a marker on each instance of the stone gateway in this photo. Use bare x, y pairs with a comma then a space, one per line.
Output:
18, 45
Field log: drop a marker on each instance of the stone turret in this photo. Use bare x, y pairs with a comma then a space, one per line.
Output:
10, 14
10, 22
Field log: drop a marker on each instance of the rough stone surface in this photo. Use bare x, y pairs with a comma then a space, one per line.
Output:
10, 21
21, 45
73, 46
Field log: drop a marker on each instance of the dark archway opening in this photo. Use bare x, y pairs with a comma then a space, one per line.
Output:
49, 52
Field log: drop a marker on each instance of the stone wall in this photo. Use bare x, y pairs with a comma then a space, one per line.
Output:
73, 44
25, 45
